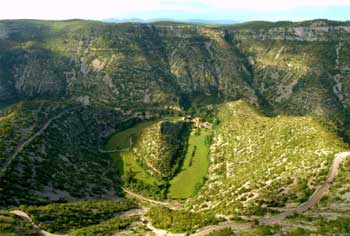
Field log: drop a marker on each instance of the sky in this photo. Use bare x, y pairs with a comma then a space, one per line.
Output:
236, 10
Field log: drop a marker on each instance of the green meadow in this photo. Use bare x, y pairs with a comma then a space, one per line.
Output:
125, 161
194, 169
121, 140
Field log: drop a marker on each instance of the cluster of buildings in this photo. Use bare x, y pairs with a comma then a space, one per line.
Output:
197, 122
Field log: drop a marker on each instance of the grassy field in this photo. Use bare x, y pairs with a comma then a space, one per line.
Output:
192, 173
121, 140
194, 168
125, 161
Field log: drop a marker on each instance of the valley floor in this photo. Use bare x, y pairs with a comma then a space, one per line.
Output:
190, 176
195, 166
144, 214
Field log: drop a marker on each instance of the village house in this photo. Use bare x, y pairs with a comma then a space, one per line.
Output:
198, 123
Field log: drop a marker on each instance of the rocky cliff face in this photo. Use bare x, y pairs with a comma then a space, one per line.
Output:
299, 69
119, 65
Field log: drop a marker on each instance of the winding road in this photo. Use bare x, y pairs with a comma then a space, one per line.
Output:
311, 202
22, 145
172, 205
40, 231
315, 197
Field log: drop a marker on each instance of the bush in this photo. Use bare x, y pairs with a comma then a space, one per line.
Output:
62, 217
179, 221
222, 232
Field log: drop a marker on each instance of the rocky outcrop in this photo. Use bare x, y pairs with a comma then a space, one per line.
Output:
300, 68
118, 64
294, 68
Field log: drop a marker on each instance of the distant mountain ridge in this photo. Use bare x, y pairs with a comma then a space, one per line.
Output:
191, 21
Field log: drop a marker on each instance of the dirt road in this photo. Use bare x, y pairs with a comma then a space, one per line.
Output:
25, 217
232, 225
313, 200
315, 197
172, 205
22, 145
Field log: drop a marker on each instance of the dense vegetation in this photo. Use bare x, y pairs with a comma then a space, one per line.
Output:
107, 228
223, 232
259, 162
19, 121
11, 225
160, 147
56, 165
179, 221
63, 217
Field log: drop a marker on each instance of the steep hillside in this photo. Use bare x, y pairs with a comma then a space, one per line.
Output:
20, 121
123, 65
55, 157
161, 147
296, 68
259, 162
299, 68
331, 215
